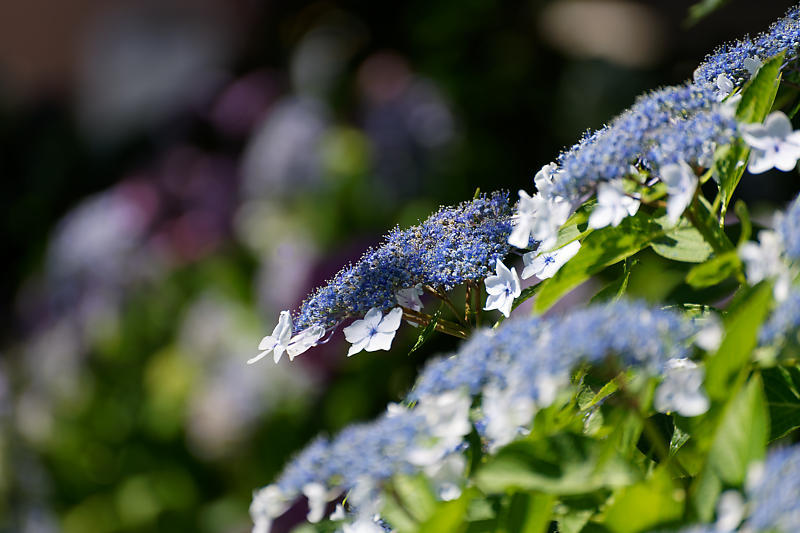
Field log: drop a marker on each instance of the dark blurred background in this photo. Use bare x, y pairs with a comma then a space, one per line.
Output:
176, 172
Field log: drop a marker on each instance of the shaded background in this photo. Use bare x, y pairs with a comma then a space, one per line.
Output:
177, 172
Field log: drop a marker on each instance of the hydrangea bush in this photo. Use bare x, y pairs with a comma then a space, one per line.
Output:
617, 415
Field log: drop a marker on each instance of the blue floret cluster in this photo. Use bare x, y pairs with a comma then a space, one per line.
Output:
453, 246
729, 59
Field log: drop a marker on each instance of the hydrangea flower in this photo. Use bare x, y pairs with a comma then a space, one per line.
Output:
764, 260
774, 144
681, 183
612, 206
278, 342
502, 288
374, 332
409, 298
545, 264
681, 391
304, 340
724, 87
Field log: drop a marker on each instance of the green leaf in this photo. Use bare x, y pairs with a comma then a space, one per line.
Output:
744, 218
645, 505
529, 512
740, 439
700, 213
561, 464
729, 164
741, 330
616, 289
428, 331
759, 93
782, 388
414, 495
715, 270
598, 250
448, 517
681, 243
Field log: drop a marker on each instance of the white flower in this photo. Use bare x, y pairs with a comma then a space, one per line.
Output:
409, 298
447, 420
540, 218
374, 332
507, 414
318, 498
338, 514
502, 288
681, 390
544, 179
681, 183
710, 335
774, 144
764, 260
546, 264
268, 504
523, 221
724, 87
612, 206
304, 340
730, 511
447, 476
751, 65
278, 342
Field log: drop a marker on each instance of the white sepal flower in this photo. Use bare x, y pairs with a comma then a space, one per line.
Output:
304, 340
524, 221
278, 342
362, 525
724, 87
544, 179
267, 505
681, 183
447, 420
681, 390
318, 498
612, 206
730, 511
502, 288
409, 298
764, 260
751, 65
507, 414
374, 332
545, 265
338, 513
447, 476
710, 335
774, 144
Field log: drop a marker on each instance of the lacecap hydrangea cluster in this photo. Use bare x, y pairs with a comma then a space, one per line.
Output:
516, 370
669, 135
453, 246
731, 59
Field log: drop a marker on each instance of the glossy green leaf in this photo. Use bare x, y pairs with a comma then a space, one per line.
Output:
655, 501
529, 512
681, 243
739, 439
715, 270
741, 323
562, 464
428, 331
782, 388
758, 94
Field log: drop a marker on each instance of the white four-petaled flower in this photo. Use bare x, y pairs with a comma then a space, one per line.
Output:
409, 298
502, 288
374, 332
612, 206
724, 87
540, 217
545, 264
681, 390
765, 260
774, 144
751, 65
681, 183
278, 342
304, 340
